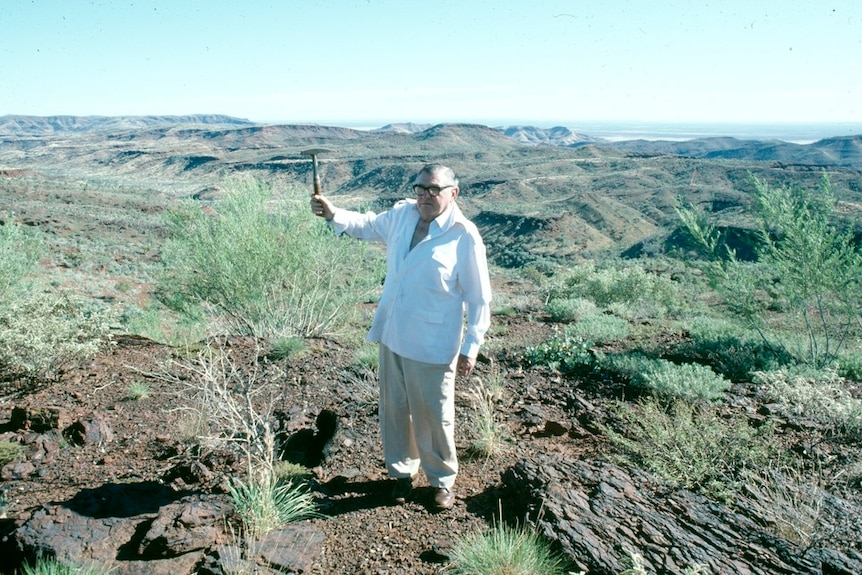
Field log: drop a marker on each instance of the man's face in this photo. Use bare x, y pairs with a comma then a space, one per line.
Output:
429, 206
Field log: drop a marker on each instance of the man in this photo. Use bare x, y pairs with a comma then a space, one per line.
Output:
436, 274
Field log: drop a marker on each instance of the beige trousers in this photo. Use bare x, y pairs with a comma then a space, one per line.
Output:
417, 418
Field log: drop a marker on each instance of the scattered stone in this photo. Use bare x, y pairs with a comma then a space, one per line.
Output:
17, 470
94, 431
39, 420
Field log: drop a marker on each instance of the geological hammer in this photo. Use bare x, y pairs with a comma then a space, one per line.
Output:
313, 152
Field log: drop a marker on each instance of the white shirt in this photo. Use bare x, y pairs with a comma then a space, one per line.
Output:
429, 289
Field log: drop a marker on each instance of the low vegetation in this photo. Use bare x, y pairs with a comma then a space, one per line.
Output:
691, 446
57, 567
263, 266
506, 549
233, 406
41, 329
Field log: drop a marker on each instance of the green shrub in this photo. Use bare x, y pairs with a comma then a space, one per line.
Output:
850, 366
138, 390
807, 277
600, 328
691, 446
164, 326
652, 294
286, 347
563, 352
730, 348
570, 309
40, 332
489, 436
367, 356
505, 550
287, 471
19, 252
688, 381
10, 451
265, 271
57, 567
263, 506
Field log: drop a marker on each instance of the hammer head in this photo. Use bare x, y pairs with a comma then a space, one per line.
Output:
315, 151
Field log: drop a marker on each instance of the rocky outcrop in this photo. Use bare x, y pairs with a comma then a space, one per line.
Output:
603, 515
190, 535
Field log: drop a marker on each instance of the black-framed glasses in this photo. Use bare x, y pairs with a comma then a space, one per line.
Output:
432, 191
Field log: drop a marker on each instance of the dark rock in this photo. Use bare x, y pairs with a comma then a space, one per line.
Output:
57, 531
94, 431
180, 538
192, 524
17, 470
291, 549
601, 514
40, 419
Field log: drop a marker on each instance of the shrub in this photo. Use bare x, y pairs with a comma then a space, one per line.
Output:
286, 347
138, 390
688, 381
263, 272
504, 550
691, 446
563, 352
794, 506
233, 406
600, 328
165, 326
807, 270
490, 438
730, 348
265, 505
652, 294
823, 396
850, 366
57, 567
40, 332
287, 471
367, 356
19, 252
10, 451
570, 309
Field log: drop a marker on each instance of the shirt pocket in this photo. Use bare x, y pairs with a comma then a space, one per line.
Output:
427, 316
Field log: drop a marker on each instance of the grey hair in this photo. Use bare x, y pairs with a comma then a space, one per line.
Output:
440, 170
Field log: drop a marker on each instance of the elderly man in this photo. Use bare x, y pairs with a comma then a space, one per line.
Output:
436, 277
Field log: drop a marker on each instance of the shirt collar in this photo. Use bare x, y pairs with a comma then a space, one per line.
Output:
450, 216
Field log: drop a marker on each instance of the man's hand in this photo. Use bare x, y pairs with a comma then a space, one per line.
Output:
465, 365
322, 207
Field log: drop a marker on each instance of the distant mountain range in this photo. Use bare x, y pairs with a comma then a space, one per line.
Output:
45, 125
844, 151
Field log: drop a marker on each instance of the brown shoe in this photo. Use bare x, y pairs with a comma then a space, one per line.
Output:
402, 490
444, 498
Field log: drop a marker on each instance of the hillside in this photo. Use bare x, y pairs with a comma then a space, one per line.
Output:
555, 200
127, 481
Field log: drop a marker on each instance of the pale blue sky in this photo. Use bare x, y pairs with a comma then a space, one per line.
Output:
355, 62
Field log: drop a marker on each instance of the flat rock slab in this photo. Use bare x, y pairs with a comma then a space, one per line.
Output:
602, 514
